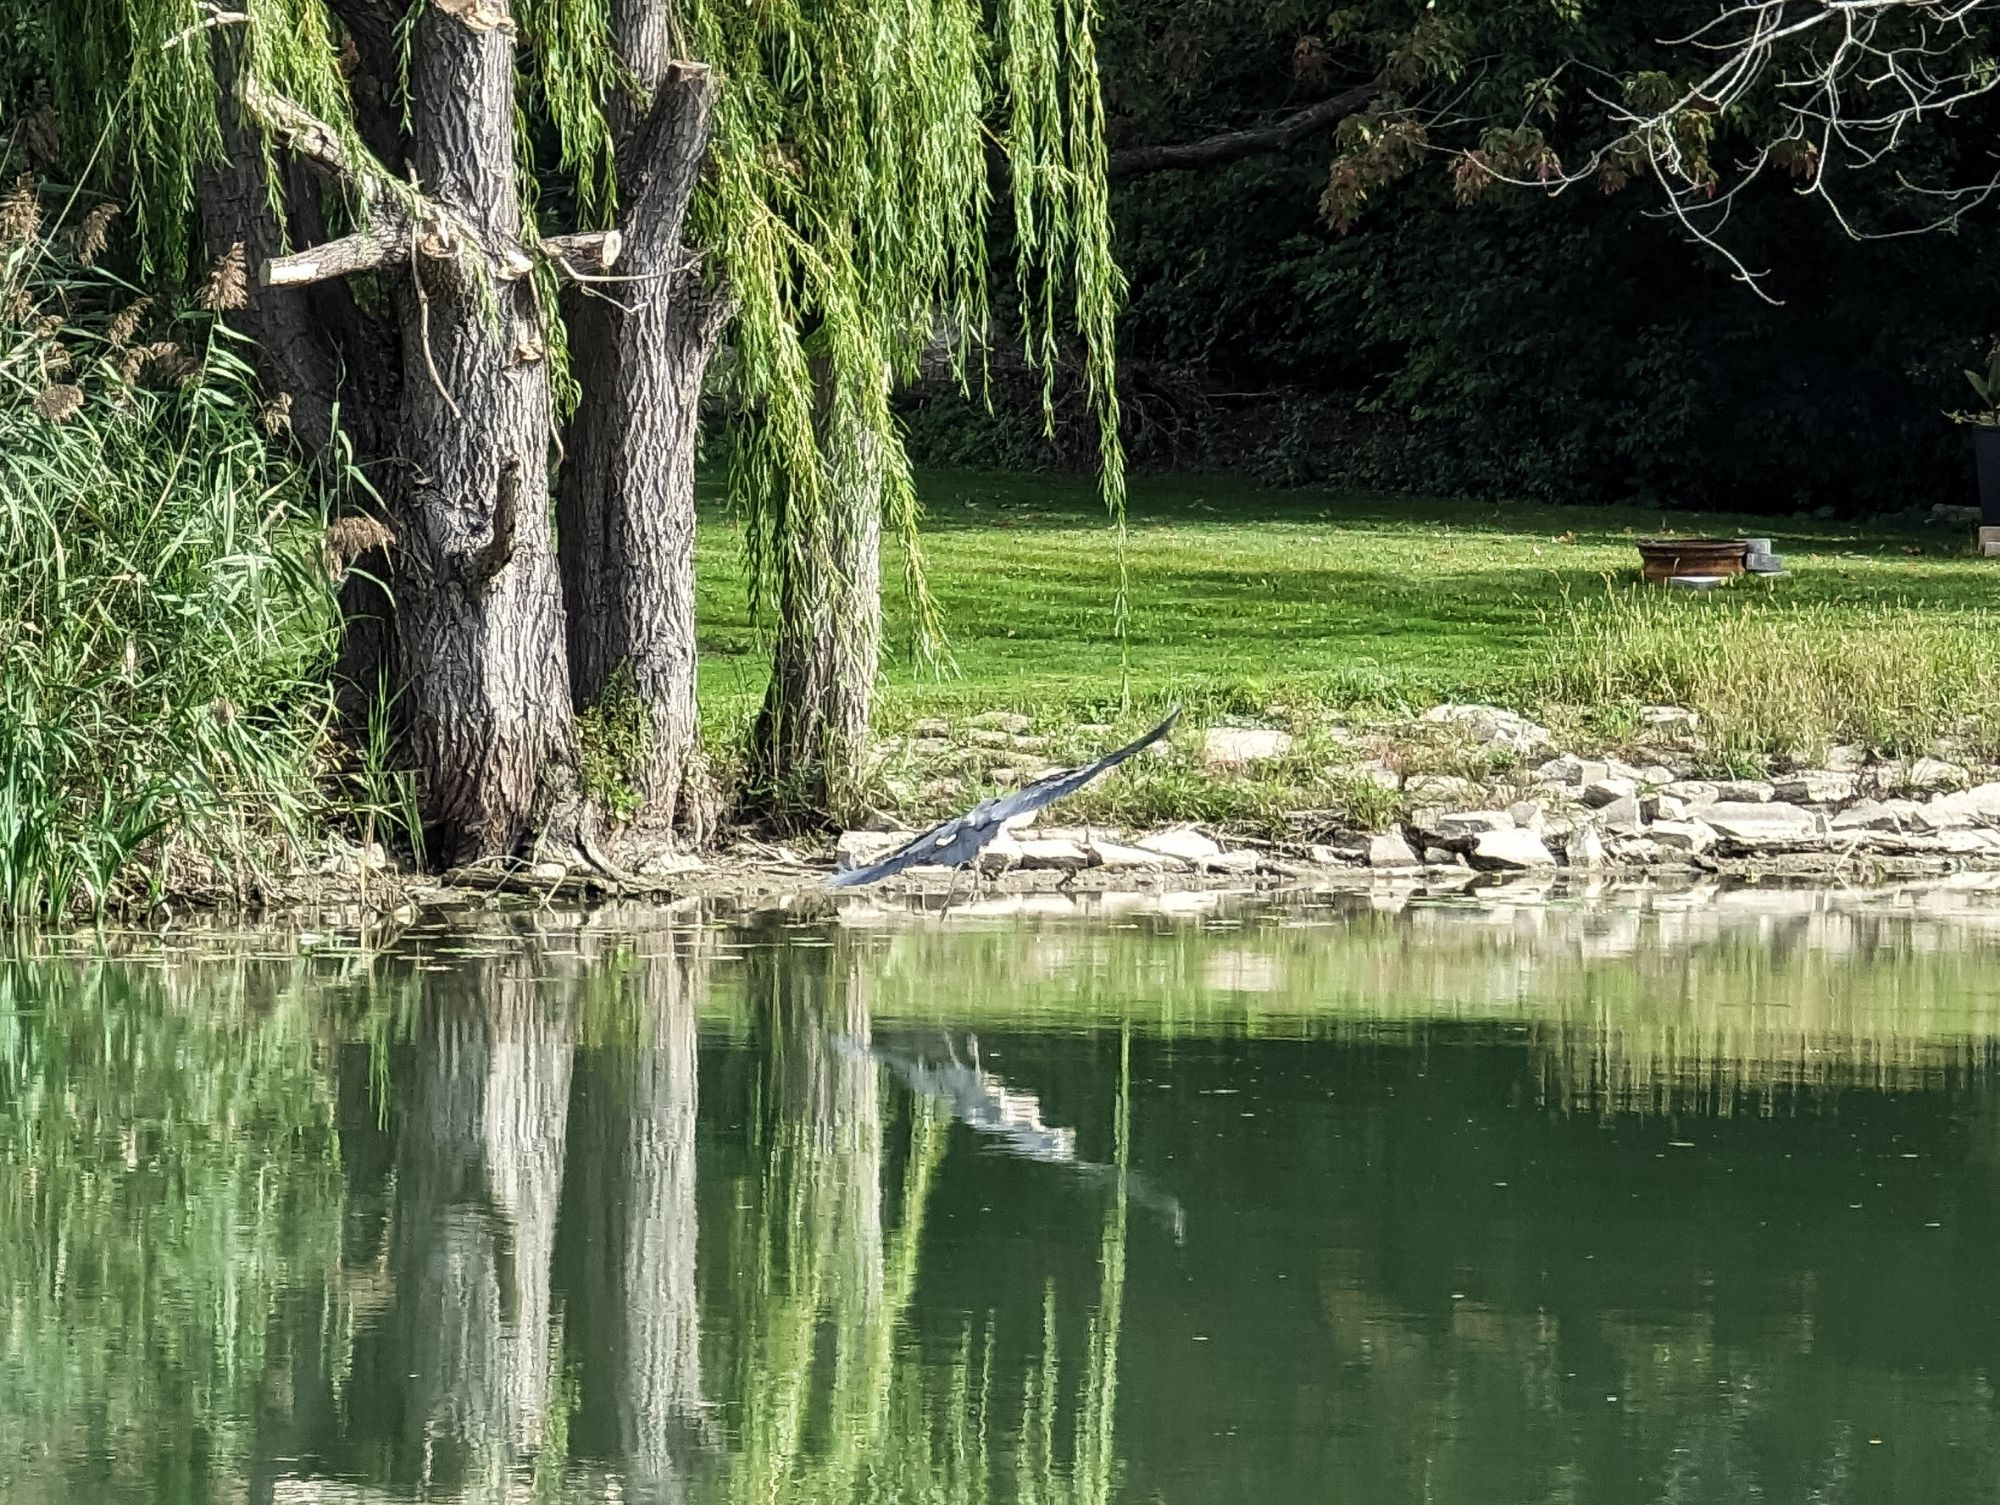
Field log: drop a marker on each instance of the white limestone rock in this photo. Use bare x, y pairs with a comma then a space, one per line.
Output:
1690, 836
1931, 776
1816, 786
1013, 723
1243, 746
1529, 816
1693, 792
1623, 817
1744, 791
1609, 790
1763, 824
1463, 823
1047, 853
859, 848
1572, 772
1494, 727
1509, 850
1242, 860
1586, 848
1882, 815
1117, 856
1182, 842
1378, 773
1388, 849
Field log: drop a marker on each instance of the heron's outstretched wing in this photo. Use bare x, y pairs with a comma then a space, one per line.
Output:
1046, 791
954, 841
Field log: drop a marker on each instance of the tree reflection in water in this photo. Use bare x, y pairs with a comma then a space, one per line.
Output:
581, 1210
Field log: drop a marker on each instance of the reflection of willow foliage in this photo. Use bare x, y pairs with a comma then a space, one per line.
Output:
888, 1424
163, 609
1093, 1460
167, 1165
845, 207
793, 1281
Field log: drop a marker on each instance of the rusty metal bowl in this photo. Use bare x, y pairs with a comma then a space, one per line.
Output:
1663, 558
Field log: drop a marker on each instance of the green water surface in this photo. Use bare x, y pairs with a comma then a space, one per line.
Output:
1620, 1199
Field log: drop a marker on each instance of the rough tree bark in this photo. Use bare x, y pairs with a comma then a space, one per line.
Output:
479, 624
625, 509
477, 642
811, 738
315, 346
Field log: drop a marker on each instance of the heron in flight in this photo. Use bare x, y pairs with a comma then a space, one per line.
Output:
958, 840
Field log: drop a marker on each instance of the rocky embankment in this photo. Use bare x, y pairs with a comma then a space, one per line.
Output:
1859, 815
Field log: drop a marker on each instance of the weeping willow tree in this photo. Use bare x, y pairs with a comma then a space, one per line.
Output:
809, 180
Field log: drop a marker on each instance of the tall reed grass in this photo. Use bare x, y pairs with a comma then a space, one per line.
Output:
1782, 682
165, 615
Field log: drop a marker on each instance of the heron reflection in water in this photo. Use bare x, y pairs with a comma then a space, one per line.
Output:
1010, 1117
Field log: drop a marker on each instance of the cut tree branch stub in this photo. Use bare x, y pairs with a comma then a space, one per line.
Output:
364, 251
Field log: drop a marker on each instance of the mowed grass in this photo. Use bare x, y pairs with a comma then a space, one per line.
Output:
1240, 598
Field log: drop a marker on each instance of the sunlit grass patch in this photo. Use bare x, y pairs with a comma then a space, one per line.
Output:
1312, 610
1777, 680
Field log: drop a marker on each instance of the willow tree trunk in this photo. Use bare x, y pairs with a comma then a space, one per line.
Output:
626, 504
811, 740
479, 617
476, 647
322, 359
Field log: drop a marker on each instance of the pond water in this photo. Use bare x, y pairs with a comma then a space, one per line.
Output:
1637, 1198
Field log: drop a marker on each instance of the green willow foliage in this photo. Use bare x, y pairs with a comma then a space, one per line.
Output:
137, 102
165, 616
846, 207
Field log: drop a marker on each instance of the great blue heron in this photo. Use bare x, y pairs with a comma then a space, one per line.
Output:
958, 840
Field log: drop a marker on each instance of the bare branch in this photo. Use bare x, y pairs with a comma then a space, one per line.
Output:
308, 135
213, 16
1851, 80
364, 251
1234, 146
424, 330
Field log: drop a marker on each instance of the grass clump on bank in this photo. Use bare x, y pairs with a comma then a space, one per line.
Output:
1779, 682
165, 616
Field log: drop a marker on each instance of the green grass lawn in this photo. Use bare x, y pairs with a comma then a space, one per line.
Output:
1241, 596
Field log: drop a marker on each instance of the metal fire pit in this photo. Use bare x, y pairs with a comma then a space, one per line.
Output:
1664, 558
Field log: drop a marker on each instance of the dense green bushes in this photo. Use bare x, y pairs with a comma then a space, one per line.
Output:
1578, 348
165, 616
